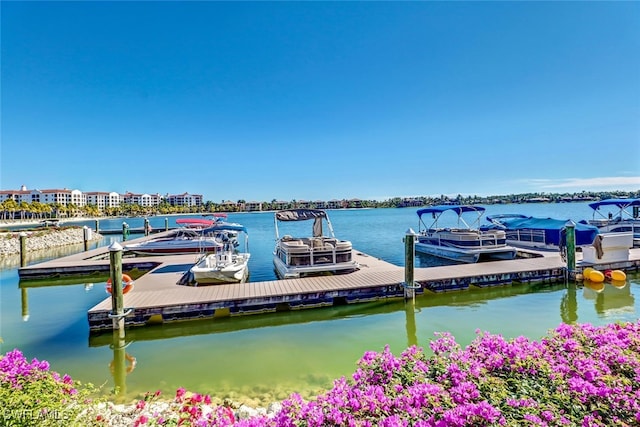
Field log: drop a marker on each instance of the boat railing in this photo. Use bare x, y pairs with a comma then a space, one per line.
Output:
315, 251
469, 239
533, 236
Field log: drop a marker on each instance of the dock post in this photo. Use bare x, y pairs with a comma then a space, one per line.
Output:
97, 226
125, 231
570, 227
146, 226
409, 257
117, 297
166, 224
23, 249
86, 237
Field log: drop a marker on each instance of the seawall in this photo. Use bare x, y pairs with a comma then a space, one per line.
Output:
43, 239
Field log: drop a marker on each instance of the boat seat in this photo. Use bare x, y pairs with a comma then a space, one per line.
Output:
607, 248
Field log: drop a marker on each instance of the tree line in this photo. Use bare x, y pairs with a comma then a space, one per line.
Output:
11, 209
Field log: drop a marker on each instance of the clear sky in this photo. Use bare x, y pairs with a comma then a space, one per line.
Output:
321, 100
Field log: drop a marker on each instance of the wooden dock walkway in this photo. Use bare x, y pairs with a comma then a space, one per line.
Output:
157, 296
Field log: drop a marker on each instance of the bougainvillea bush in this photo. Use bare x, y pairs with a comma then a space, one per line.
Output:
577, 375
33, 395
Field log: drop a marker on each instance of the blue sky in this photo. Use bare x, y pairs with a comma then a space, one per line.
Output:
321, 100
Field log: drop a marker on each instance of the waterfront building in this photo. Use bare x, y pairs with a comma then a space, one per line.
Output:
184, 199
103, 199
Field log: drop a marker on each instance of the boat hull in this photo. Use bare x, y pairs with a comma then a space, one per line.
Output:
466, 255
465, 245
284, 271
208, 273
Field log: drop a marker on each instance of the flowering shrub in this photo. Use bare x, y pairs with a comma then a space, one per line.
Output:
575, 376
32, 395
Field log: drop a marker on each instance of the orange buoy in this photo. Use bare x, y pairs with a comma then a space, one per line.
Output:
596, 276
618, 275
127, 284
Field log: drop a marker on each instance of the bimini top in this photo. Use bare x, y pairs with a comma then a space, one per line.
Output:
300, 214
619, 203
194, 221
459, 209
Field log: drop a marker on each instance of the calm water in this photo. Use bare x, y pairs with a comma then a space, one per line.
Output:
258, 359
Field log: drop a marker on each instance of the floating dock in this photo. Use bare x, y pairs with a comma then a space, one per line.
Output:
158, 298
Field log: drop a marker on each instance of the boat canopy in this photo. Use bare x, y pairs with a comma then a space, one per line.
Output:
195, 221
458, 209
300, 214
619, 203
585, 234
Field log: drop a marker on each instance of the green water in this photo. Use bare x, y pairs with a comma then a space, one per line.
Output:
262, 358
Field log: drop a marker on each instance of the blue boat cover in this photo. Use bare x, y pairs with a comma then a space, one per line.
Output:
458, 209
585, 234
619, 203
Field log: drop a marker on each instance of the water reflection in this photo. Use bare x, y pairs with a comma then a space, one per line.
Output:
122, 363
410, 313
610, 299
24, 299
569, 304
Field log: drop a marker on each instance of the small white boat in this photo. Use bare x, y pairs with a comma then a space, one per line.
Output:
317, 254
224, 264
462, 243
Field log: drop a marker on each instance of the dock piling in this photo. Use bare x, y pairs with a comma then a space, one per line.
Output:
570, 228
87, 235
166, 224
146, 226
97, 226
125, 231
117, 297
409, 257
23, 249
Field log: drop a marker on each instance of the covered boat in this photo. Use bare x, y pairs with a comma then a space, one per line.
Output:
539, 233
464, 242
310, 255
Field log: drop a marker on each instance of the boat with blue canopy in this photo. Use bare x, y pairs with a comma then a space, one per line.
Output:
539, 233
463, 242
617, 216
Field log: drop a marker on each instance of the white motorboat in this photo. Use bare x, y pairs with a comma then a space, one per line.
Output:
183, 241
225, 264
317, 254
196, 235
463, 242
